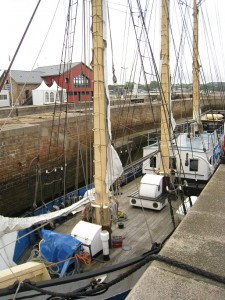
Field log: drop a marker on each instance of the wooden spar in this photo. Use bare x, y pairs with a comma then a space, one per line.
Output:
165, 83
196, 106
100, 127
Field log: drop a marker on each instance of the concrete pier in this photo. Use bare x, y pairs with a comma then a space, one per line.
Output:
198, 241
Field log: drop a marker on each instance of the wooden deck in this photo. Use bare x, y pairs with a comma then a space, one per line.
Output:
142, 228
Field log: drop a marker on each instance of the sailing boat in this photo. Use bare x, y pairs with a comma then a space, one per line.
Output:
152, 191
194, 154
101, 206
70, 286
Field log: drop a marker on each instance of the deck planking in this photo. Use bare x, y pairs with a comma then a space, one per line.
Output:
141, 229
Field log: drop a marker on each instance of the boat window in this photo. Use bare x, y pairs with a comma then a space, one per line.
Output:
46, 97
153, 162
194, 165
51, 97
81, 81
211, 160
172, 163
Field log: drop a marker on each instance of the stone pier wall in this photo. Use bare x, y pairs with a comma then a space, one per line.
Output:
37, 150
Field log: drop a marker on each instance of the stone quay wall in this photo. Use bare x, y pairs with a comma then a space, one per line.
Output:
38, 148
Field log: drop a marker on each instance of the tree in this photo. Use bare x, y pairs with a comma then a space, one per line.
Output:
154, 85
129, 86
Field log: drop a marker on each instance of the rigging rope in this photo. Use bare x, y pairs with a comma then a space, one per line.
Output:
113, 67
20, 43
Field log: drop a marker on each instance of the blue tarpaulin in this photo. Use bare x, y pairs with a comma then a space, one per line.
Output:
56, 247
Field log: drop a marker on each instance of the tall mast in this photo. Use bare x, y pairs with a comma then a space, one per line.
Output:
100, 125
196, 105
165, 83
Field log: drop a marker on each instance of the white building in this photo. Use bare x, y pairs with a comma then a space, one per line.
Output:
4, 98
48, 95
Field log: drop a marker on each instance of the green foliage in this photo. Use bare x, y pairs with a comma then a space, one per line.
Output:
129, 86
154, 85
214, 86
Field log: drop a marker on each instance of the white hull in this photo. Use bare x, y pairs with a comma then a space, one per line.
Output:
151, 204
187, 205
195, 158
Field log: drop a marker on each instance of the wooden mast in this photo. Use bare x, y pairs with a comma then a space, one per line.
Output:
165, 83
100, 127
196, 105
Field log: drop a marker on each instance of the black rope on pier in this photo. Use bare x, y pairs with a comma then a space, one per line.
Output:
97, 289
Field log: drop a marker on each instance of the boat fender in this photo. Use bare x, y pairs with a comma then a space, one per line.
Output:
105, 244
68, 202
62, 205
55, 207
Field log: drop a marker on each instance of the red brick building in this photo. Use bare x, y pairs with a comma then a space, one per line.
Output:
76, 78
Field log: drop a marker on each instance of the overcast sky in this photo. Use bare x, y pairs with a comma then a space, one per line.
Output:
15, 15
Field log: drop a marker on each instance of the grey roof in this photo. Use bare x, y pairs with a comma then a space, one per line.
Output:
36, 75
55, 69
26, 76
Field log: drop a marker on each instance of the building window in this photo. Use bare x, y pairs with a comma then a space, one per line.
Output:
194, 165
72, 93
81, 81
27, 94
46, 97
3, 97
51, 97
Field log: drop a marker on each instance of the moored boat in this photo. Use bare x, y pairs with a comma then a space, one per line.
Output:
102, 220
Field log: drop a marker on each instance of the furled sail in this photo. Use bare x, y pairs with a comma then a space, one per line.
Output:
13, 224
114, 165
